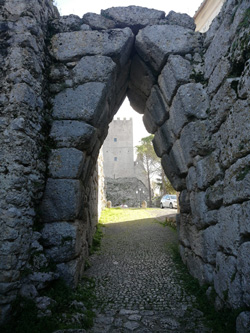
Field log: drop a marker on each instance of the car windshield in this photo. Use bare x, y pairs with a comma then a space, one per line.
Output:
173, 197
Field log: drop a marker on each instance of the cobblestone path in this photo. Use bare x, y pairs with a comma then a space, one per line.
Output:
136, 285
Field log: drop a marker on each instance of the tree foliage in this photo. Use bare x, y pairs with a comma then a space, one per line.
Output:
153, 168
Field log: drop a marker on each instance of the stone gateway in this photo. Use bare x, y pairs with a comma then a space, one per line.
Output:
62, 81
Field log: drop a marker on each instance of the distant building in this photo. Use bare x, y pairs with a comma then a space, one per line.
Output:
205, 14
120, 168
118, 149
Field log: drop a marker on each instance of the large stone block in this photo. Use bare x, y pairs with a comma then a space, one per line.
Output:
98, 22
237, 181
214, 195
115, 43
208, 170
134, 17
156, 111
196, 140
163, 139
243, 322
73, 134
230, 141
176, 72
183, 20
244, 82
71, 271
172, 172
198, 209
141, 76
62, 201
221, 71
62, 240
86, 103
94, 69
178, 157
191, 102
243, 265
66, 163
229, 237
221, 104
225, 278
155, 43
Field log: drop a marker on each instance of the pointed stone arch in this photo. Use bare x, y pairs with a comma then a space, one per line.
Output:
194, 92
93, 71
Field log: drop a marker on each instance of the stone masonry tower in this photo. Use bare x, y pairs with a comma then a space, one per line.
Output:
118, 149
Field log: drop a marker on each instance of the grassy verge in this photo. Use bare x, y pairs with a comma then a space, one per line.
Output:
117, 215
222, 321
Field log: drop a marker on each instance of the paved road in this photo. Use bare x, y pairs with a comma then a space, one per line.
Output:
136, 284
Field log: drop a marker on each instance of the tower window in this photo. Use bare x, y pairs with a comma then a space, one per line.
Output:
115, 139
115, 159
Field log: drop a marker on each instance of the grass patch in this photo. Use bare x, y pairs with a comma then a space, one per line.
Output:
96, 243
219, 321
169, 222
116, 215
25, 313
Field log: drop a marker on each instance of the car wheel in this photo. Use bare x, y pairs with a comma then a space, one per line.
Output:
170, 205
161, 205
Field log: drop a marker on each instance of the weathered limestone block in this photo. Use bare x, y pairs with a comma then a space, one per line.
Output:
22, 93
178, 156
163, 139
62, 240
94, 69
243, 265
184, 201
183, 20
214, 195
156, 111
198, 209
176, 72
66, 163
223, 37
191, 179
221, 104
200, 270
237, 180
191, 102
73, 134
227, 281
229, 236
220, 72
140, 84
133, 16
155, 43
196, 140
63, 200
243, 322
115, 43
66, 23
98, 22
210, 245
86, 103
230, 142
172, 172
244, 220
208, 170
72, 271
244, 82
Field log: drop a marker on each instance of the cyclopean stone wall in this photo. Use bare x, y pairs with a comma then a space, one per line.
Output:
193, 90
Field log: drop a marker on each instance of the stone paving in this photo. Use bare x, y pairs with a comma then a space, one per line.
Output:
137, 288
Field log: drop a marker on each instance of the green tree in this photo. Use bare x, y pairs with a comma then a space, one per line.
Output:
145, 153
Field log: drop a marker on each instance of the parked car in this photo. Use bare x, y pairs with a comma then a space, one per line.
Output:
169, 201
